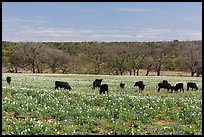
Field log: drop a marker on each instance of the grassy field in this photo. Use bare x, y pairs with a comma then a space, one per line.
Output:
31, 105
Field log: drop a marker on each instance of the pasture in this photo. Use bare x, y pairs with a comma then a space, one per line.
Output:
31, 106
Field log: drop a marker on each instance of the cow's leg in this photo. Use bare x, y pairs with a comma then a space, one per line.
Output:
158, 89
172, 90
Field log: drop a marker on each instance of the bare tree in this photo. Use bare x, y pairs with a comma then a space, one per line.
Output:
96, 56
149, 64
162, 51
27, 55
57, 59
118, 60
137, 55
32, 52
191, 57
18, 59
66, 63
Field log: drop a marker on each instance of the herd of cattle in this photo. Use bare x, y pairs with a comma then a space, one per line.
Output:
104, 87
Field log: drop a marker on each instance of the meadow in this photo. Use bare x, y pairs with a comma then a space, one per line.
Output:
31, 106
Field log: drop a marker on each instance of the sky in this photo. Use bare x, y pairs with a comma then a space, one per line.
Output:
101, 21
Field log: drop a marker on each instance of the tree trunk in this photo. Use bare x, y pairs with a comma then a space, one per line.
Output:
148, 69
33, 67
134, 72
192, 73
138, 72
63, 71
130, 71
121, 71
158, 71
38, 69
147, 72
16, 69
53, 70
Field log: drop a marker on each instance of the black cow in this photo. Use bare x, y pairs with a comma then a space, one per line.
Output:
172, 88
122, 85
179, 86
164, 81
140, 84
103, 88
192, 85
8, 79
60, 84
97, 83
164, 85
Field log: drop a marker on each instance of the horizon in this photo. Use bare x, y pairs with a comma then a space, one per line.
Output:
101, 21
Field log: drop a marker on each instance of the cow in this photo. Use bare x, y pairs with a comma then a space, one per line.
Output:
172, 88
140, 84
122, 85
192, 85
103, 88
60, 84
164, 85
8, 79
164, 81
97, 83
179, 86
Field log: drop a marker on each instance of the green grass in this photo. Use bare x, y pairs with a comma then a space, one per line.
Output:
30, 105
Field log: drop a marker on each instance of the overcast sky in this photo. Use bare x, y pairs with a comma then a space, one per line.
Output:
101, 21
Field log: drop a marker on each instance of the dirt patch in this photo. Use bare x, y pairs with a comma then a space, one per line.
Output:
163, 122
97, 107
144, 127
7, 95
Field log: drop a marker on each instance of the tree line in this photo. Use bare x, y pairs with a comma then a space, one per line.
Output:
117, 58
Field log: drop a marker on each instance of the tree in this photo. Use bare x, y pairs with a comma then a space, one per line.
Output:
191, 57
162, 51
7, 50
18, 59
95, 55
33, 52
149, 64
118, 59
66, 63
57, 59
137, 55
